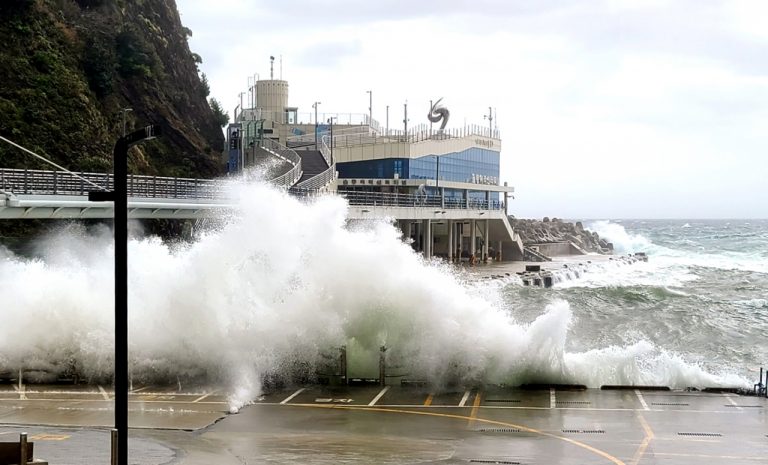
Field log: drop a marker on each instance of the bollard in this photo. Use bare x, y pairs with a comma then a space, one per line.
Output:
382, 369
113, 434
23, 454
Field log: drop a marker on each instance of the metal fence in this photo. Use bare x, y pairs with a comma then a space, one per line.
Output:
43, 182
290, 177
389, 199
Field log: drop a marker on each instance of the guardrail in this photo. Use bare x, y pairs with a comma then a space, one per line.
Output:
290, 177
41, 182
388, 199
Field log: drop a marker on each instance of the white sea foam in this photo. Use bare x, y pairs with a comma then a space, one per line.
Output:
625, 242
277, 288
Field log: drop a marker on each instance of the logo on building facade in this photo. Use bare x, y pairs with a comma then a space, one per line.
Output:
439, 113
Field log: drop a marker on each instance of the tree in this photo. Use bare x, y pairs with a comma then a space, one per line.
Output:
222, 117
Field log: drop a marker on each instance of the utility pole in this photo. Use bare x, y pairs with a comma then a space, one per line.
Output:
370, 107
125, 110
489, 117
405, 119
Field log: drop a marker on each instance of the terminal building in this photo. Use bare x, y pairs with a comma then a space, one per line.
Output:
441, 186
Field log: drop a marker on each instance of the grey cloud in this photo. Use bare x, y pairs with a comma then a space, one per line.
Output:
324, 54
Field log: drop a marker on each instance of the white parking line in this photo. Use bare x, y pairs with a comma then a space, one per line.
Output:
552, 398
378, 396
289, 398
204, 396
641, 399
464, 399
733, 402
103, 393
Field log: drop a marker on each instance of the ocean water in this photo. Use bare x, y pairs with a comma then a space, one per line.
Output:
275, 289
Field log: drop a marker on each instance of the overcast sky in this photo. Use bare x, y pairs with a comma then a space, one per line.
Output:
607, 109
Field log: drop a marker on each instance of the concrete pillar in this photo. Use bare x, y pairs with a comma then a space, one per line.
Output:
498, 252
486, 240
450, 241
466, 198
473, 239
442, 197
460, 237
408, 230
427, 238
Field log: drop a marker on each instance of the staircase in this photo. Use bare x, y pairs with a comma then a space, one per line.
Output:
312, 164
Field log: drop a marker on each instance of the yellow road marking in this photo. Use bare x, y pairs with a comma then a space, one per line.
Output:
428, 402
475, 408
640, 452
49, 437
594, 450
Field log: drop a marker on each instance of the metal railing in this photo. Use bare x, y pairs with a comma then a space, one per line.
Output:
389, 199
41, 182
290, 177
321, 180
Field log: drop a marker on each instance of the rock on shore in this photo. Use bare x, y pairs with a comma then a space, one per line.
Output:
547, 231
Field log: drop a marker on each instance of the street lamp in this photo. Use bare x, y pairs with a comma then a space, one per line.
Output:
314, 105
120, 198
330, 123
370, 107
124, 111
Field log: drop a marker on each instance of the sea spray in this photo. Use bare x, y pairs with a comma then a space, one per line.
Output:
279, 286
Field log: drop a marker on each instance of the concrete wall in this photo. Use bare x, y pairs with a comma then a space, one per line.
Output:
555, 249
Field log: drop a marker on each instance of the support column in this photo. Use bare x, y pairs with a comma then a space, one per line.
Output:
473, 239
460, 236
409, 230
498, 252
450, 241
427, 238
486, 241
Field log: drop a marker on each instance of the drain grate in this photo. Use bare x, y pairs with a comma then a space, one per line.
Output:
573, 402
677, 404
498, 430
504, 462
584, 431
745, 406
703, 435
504, 400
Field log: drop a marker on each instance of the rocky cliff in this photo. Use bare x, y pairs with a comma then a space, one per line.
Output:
68, 69
548, 231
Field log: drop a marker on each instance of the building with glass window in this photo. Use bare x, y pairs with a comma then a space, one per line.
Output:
442, 187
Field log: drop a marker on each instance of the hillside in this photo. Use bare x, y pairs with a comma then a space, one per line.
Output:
68, 68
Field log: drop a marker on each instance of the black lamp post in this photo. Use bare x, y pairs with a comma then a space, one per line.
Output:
120, 199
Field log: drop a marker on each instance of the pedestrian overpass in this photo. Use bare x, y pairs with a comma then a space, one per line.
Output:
41, 194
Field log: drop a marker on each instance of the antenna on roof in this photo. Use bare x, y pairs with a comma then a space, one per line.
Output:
271, 67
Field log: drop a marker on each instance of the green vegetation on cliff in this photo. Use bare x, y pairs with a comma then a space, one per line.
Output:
68, 69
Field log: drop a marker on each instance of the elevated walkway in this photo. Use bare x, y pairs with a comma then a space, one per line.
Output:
312, 163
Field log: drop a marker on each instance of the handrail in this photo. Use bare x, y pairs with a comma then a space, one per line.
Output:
321, 180
42, 182
290, 177
389, 199
21, 181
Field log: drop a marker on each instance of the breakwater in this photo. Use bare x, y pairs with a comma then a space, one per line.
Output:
538, 233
